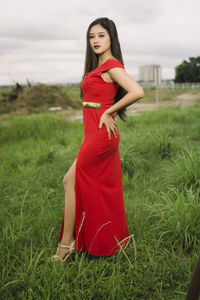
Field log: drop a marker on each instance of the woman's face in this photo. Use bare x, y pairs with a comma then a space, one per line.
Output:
99, 36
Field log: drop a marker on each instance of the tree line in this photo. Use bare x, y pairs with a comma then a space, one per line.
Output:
188, 71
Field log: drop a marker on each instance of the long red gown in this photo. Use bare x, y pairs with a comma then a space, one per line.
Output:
101, 227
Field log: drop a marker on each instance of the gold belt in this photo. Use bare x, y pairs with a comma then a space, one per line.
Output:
92, 104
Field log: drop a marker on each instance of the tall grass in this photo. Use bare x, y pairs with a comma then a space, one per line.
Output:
43, 126
160, 163
186, 169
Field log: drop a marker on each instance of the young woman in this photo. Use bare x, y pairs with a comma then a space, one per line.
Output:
94, 219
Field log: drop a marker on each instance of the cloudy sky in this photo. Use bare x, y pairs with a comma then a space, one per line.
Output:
45, 40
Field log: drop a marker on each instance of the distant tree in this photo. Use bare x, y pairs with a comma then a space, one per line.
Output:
188, 71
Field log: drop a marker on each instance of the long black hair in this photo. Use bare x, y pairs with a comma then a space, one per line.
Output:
91, 58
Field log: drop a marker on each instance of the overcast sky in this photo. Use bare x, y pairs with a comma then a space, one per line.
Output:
45, 40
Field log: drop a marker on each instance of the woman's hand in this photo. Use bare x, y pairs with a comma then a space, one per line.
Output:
110, 124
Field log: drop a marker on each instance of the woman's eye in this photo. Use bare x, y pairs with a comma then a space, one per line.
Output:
101, 35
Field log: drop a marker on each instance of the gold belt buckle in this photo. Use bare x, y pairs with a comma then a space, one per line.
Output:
92, 105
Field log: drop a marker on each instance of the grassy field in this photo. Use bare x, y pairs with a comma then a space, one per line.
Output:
167, 94
40, 98
160, 158
37, 99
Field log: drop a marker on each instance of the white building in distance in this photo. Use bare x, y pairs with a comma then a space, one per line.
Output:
150, 73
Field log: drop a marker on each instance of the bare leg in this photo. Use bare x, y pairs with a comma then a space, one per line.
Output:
70, 209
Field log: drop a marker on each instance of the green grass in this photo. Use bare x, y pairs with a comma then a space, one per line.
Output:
166, 94
161, 179
4, 90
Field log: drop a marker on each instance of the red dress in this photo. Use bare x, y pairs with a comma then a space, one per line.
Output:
101, 223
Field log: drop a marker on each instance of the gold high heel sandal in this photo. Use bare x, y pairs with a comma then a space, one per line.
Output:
71, 248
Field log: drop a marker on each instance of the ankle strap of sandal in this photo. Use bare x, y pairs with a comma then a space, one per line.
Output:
71, 247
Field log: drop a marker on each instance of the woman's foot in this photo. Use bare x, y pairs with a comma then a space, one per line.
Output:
63, 251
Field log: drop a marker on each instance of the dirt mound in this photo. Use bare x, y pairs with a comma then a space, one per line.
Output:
186, 99
36, 99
